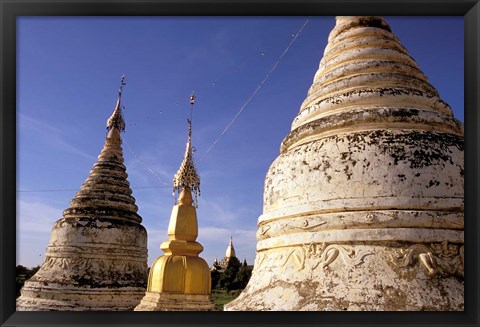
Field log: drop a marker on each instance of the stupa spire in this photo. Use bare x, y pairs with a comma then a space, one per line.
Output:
108, 175
116, 119
187, 176
230, 253
365, 67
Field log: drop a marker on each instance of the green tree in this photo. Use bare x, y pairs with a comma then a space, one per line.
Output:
21, 270
243, 276
215, 276
22, 274
227, 278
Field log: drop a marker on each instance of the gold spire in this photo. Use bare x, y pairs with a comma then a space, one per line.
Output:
230, 253
187, 176
116, 119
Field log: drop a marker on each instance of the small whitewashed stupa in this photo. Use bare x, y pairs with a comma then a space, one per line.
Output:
180, 280
96, 259
364, 206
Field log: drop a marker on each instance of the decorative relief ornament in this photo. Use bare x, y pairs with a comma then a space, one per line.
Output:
439, 259
313, 255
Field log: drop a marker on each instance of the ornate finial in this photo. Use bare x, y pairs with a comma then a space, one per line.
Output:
116, 119
187, 176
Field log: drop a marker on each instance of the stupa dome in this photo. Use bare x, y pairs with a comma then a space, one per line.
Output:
363, 208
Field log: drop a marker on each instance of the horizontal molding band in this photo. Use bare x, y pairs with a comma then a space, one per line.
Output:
415, 235
360, 220
372, 118
378, 203
105, 292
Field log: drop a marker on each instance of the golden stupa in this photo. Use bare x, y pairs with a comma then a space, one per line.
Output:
180, 280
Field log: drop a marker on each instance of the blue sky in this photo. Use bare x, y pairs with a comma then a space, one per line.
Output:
68, 74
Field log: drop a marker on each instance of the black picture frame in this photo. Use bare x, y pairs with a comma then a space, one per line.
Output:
10, 10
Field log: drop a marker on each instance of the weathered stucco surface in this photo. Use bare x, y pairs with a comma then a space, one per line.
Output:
96, 259
363, 208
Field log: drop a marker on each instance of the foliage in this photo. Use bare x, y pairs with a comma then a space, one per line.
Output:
234, 277
227, 278
215, 276
22, 274
243, 276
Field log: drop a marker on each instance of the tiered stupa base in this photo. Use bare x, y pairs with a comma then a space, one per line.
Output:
175, 302
91, 265
58, 297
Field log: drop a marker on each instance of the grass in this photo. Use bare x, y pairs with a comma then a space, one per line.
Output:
221, 297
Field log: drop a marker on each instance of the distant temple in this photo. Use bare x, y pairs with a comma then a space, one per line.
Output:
229, 255
96, 259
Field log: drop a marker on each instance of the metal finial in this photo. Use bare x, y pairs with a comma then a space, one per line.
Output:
192, 102
189, 121
122, 83
187, 176
116, 119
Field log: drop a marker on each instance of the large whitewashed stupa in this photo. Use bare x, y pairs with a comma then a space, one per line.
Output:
364, 206
96, 259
